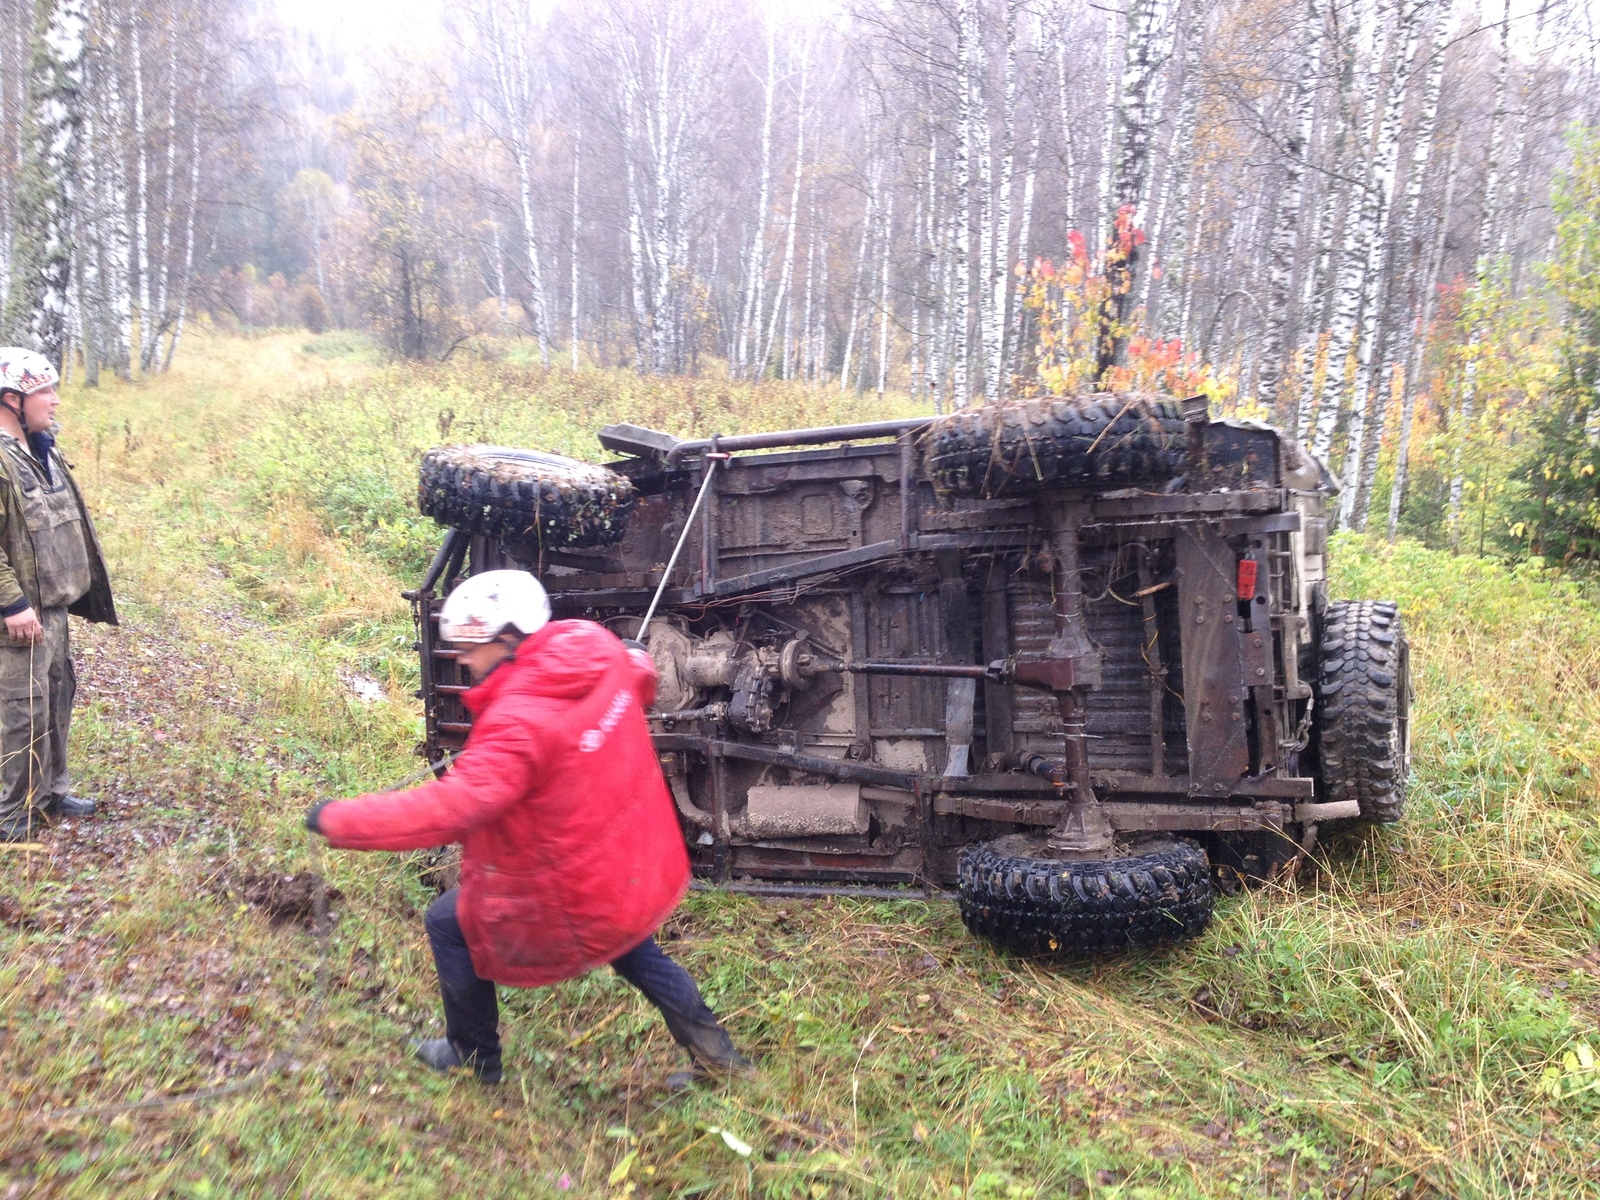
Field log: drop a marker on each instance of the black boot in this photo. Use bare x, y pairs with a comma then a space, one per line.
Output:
68, 806
714, 1054
23, 827
444, 1055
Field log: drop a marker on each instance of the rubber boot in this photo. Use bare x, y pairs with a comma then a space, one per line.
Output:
444, 1055
69, 806
22, 828
714, 1054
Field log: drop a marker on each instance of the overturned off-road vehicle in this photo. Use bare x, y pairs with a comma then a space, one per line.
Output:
1072, 657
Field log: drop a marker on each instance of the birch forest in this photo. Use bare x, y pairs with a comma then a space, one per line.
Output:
1369, 221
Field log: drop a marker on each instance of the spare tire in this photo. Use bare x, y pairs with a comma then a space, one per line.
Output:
1017, 893
1099, 441
1363, 713
524, 496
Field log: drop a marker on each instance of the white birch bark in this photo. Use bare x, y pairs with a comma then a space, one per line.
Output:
965, 34
883, 291
806, 365
940, 316
577, 163
914, 366
1286, 228
861, 270
786, 272
977, 60
1179, 166
636, 260
110, 224
1108, 134
1348, 291
755, 295
188, 237
1419, 341
150, 347
999, 264
1397, 355
141, 198
1014, 347
1069, 181
1145, 52
512, 91
38, 300
820, 359
1189, 262
1482, 269
1376, 210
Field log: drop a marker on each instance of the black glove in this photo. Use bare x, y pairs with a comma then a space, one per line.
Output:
314, 815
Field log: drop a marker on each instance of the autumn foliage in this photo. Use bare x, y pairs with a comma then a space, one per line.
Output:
1081, 344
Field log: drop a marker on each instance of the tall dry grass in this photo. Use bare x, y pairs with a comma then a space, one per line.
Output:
1407, 1018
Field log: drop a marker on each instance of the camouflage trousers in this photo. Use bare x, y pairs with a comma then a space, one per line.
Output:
37, 684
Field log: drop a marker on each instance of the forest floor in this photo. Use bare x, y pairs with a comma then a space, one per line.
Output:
1415, 1015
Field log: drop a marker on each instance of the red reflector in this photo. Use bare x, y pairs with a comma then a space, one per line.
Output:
1247, 578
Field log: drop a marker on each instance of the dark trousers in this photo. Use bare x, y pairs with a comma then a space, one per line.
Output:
472, 1014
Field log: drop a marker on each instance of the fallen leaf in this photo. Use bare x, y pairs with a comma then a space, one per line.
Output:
620, 1171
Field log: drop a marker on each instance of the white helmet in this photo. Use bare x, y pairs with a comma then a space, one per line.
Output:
26, 371
484, 605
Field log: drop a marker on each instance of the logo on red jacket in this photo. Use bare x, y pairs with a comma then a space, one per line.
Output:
592, 739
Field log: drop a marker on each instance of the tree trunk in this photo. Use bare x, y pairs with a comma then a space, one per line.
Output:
141, 197
511, 90
1354, 266
42, 262
1419, 342
756, 285
861, 271
966, 33
1286, 228
1143, 58
150, 346
577, 161
1376, 212
188, 236
1483, 268
786, 273
883, 291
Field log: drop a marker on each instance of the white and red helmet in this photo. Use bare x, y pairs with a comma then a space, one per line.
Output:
484, 606
25, 371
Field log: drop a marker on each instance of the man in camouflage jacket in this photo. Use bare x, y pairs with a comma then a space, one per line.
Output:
50, 565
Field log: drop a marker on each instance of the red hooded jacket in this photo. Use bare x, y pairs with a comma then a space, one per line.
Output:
571, 852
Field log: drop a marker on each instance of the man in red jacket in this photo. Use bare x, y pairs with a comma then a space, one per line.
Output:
571, 852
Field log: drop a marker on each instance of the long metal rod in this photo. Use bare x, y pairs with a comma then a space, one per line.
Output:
802, 891
994, 671
798, 437
711, 461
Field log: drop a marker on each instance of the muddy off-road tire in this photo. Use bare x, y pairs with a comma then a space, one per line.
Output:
1100, 441
524, 496
1015, 894
1363, 713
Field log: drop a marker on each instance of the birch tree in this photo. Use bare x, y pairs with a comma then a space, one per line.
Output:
42, 260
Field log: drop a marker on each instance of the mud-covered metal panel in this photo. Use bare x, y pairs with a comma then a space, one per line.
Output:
1119, 709
1240, 457
1213, 662
905, 624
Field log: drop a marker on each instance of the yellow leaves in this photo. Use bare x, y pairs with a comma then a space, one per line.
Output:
619, 1173
1577, 1073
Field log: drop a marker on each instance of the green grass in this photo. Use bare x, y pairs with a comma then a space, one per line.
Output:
1411, 1017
